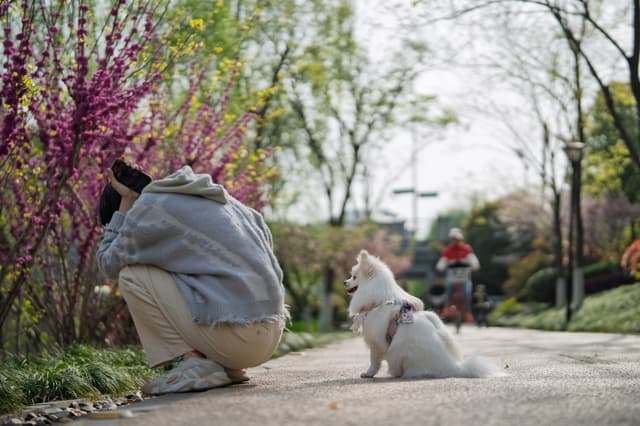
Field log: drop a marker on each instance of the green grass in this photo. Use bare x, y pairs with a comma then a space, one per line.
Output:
612, 311
84, 372
78, 372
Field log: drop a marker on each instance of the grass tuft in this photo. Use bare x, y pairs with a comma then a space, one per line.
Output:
78, 372
11, 396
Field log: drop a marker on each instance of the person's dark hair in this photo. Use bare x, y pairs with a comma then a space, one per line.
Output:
109, 204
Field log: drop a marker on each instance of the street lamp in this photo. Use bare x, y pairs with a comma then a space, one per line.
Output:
575, 276
574, 151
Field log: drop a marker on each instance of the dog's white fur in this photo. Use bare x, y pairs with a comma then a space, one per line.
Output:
424, 348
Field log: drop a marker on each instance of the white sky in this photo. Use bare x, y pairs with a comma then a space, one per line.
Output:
470, 161
469, 158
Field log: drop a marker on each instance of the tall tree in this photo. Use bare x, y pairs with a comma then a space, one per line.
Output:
614, 38
608, 168
343, 103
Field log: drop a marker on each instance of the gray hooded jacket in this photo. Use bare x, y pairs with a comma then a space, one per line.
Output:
218, 250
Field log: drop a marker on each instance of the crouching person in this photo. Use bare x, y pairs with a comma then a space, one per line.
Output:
197, 270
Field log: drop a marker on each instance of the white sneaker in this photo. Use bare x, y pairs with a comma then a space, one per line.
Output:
237, 376
191, 374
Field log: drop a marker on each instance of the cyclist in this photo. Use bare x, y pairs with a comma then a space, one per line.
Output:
457, 254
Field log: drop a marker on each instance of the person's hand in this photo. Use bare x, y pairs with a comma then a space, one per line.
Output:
129, 196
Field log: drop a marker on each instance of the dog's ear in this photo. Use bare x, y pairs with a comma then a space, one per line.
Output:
366, 267
368, 270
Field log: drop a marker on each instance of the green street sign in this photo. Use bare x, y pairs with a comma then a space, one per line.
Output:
427, 194
404, 191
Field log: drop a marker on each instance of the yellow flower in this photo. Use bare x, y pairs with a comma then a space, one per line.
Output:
218, 50
196, 23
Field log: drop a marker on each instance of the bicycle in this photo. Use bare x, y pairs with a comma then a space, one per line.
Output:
458, 275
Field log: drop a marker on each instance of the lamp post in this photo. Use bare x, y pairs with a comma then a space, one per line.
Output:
414, 182
575, 276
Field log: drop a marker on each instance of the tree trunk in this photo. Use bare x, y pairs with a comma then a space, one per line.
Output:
557, 249
299, 300
578, 273
326, 314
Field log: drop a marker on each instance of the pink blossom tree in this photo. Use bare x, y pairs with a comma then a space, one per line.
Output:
66, 105
78, 93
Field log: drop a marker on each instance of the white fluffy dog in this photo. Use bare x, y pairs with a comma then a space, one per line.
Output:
395, 326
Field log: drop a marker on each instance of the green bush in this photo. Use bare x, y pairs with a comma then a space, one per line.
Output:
599, 276
541, 286
521, 270
600, 267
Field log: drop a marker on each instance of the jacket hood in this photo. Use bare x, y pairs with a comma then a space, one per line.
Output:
185, 181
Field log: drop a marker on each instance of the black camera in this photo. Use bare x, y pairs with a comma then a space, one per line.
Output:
130, 177
110, 199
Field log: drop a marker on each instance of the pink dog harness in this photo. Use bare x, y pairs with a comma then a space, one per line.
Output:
403, 316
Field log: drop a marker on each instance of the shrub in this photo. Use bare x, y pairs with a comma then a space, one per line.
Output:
521, 271
540, 287
604, 275
599, 267
599, 276
509, 306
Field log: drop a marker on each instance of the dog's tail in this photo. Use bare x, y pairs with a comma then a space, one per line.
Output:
477, 366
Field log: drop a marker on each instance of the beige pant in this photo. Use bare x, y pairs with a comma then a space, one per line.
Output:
166, 329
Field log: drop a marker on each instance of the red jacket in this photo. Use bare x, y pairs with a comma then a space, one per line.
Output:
453, 252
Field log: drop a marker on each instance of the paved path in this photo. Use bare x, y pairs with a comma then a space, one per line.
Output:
553, 378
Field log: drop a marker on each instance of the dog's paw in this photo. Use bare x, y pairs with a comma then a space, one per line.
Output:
367, 375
